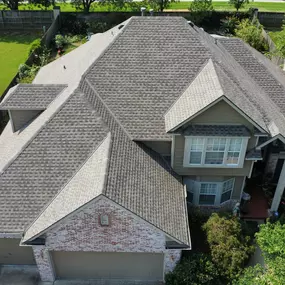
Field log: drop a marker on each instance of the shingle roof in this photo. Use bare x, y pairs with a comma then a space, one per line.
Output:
48, 162
145, 70
203, 90
127, 92
84, 186
216, 130
31, 96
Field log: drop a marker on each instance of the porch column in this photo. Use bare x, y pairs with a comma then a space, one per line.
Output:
279, 190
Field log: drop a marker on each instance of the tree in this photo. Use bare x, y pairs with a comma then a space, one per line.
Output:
196, 269
238, 3
251, 32
11, 4
200, 9
159, 5
230, 249
271, 241
82, 4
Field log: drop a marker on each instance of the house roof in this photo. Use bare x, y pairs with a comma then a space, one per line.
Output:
31, 96
203, 90
138, 74
84, 186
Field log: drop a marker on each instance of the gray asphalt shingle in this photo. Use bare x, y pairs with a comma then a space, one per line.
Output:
32, 96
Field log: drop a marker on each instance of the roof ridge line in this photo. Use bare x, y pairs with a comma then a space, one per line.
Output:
74, 174
108, 109
200, 70
107, 48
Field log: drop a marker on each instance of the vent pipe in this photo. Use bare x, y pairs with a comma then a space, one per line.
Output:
143, 11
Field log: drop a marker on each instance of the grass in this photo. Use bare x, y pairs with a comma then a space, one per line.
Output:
14, 49
219, 6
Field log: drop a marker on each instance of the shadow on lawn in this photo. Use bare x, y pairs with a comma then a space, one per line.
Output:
19, 37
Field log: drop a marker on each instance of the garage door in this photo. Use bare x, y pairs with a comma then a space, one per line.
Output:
12, 253
88, 265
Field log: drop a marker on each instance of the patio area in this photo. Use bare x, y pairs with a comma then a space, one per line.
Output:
257, 207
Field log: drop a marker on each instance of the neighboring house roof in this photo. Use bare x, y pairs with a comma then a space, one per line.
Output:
128, 83
31, 96
216, 130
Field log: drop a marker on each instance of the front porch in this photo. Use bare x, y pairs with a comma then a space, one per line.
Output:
257, 208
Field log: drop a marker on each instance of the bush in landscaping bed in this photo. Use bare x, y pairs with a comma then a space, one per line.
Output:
251, 32
196, 269
36, 46
230, 249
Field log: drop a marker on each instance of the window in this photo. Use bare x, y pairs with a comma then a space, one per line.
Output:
227, 190
214, 152
208, 192
196, 150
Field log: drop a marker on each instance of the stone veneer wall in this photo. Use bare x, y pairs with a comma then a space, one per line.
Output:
82, 232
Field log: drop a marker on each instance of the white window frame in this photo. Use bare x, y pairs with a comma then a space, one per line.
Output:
220, 186
187, 152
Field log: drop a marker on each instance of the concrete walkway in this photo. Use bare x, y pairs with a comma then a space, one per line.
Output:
19, 275
257, 257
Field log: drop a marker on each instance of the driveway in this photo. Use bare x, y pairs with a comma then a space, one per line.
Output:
19, 275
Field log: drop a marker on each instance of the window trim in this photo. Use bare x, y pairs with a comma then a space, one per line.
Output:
218, 197
187, 152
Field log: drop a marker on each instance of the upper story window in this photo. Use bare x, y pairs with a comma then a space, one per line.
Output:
214, 151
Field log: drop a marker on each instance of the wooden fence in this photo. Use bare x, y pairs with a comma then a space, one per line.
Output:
25, 20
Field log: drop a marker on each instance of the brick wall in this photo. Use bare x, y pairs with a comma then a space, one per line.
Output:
125, 232
83, 232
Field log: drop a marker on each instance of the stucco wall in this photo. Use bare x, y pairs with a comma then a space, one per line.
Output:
82, 232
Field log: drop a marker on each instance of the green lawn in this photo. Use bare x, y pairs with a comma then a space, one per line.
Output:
14, 49
222, 6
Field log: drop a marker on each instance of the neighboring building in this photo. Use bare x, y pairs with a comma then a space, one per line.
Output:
101, 148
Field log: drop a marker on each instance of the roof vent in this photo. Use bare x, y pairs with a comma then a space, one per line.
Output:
143, 9
120, 27
191, 23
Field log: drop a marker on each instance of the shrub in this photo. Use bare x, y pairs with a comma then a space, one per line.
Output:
60, 41
36, 46
196, 269
229, 25
230, 250
201, 10
98, 27
251, 32
71, 24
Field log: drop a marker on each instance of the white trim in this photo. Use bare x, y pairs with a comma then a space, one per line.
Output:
223, 97
243, 114
218, 196
195, 115
11, 235
279, 136
12, 123
172, 151
242, 187
101, 196
187, 152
